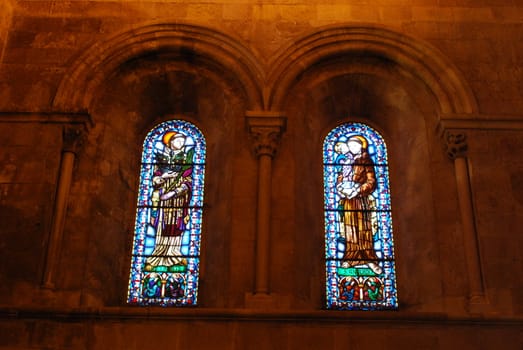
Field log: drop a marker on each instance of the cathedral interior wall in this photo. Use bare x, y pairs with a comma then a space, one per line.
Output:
118, 68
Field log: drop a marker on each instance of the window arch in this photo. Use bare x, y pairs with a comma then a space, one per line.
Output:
166, 249
360, 270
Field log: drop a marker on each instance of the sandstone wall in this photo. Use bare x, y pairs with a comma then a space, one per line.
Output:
409, 68
472, 34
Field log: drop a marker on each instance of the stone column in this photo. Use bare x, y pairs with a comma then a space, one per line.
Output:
6, 15
265, 130
456, 148
73, 137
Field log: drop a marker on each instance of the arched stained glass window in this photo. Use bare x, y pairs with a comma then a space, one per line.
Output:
166, 250
360, 271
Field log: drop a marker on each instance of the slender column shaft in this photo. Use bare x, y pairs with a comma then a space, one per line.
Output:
469, 229
457, 148
263, 224
72, 138
57, 224
265, 129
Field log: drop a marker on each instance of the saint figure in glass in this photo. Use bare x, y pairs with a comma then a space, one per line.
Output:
358, 223
172, 183
166, 251
355, 183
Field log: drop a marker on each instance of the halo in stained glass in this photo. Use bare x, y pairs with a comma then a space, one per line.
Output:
359, 249
166, 249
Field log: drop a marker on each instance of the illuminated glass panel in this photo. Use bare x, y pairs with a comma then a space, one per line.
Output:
359, 249
166, 250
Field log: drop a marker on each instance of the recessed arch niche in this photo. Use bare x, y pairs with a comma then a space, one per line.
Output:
402, 89
127, 94
215, 49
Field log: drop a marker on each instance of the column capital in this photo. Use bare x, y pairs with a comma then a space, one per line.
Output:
73, 137
265, 129
455, 143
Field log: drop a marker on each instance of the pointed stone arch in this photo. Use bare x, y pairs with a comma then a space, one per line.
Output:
419, 59
207, 46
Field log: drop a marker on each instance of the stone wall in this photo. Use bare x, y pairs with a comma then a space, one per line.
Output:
415, 70
471, 34
255, 331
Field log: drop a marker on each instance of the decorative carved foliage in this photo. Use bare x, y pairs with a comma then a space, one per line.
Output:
265, 141
265, 132
455, 144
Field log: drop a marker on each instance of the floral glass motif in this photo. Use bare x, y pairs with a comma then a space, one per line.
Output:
359, 249
166, 251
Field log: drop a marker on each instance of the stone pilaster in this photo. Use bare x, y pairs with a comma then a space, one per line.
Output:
6, 12
73, 139
265, 130
456, 148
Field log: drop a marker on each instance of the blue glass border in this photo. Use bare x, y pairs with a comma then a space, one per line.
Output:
188, 279
383, 241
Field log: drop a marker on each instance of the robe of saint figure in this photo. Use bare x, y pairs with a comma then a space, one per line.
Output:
355, 185
172, 188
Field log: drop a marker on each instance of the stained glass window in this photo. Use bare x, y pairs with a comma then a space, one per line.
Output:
359, 249
166, 250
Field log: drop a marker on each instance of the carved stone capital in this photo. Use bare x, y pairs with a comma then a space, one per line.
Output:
73, 138
265, 140
265, 130
455, 143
